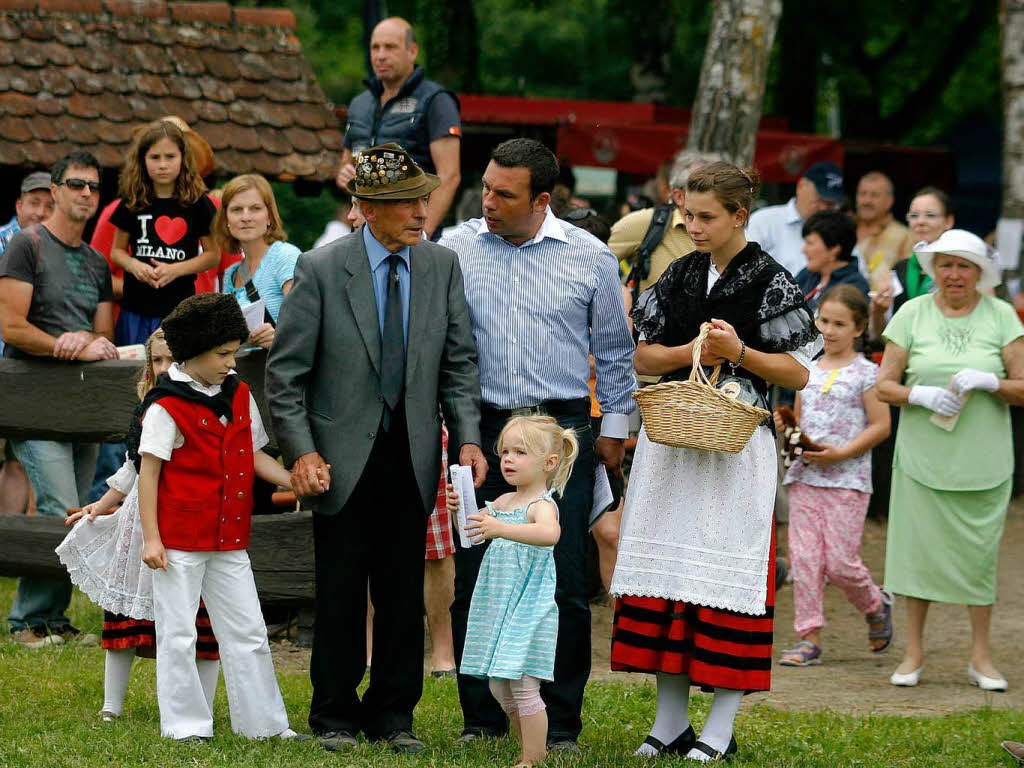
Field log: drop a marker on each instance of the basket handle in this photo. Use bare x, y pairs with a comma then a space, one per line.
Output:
696, 369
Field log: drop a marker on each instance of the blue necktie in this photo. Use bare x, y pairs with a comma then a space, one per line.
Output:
392, 365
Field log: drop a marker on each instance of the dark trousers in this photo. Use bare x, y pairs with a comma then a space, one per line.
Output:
564, 695
379, 536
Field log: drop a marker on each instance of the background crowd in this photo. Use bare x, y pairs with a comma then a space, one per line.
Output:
922, 300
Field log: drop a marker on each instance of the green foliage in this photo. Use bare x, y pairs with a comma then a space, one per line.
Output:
904, 72
305, 217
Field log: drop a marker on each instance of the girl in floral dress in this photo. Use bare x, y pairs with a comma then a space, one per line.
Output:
829, 490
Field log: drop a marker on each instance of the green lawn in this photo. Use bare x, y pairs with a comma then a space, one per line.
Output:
49, 699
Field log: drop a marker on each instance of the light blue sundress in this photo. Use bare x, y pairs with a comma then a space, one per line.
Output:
513, 621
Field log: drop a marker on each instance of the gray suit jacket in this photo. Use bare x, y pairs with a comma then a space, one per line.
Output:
323, 373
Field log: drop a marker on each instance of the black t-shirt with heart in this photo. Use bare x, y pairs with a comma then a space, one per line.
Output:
166, 232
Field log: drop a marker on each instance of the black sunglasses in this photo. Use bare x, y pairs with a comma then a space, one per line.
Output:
78, 185
578, 214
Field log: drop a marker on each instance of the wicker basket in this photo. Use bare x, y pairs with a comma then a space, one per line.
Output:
694, 414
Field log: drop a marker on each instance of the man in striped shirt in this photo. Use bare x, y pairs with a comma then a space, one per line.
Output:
542, 294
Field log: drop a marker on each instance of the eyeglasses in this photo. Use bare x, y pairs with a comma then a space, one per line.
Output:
926, 216
77, 185
578, 214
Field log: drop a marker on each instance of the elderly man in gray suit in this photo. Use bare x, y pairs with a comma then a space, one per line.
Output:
373, 344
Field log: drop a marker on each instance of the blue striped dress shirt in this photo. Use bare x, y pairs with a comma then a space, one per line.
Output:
533, 307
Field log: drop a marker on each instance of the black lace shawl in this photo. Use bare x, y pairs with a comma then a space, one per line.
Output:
755, 295
220, 404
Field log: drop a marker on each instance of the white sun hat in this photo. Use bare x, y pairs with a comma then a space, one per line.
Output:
966, 245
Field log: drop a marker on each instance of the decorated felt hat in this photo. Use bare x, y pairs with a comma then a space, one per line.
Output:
966, 245
386, 172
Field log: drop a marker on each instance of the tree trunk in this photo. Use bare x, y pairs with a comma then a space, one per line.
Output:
727, 108
1012, 24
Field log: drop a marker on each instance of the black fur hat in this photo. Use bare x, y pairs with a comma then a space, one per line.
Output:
201, 323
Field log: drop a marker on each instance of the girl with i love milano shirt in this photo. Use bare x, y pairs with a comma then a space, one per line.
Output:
163, 216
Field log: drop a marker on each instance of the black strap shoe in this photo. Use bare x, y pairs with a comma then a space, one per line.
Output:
682, 743
713, 753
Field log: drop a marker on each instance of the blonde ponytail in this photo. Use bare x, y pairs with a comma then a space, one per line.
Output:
543, 436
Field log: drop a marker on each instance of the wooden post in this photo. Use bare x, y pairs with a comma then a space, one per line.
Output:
45, 399
727, 108
280, 548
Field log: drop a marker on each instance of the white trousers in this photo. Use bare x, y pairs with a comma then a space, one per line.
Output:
225, 581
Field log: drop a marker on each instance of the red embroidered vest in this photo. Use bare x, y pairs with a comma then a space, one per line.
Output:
204, 498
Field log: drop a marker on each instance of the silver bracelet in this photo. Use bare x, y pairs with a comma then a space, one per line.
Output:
739, 360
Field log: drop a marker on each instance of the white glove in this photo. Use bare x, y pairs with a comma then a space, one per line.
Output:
970, 378
937, 399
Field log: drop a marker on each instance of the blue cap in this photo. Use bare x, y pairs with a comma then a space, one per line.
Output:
827, 179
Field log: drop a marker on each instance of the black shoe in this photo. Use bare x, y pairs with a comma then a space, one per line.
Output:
337, 741
564, 746
682, 743
713, 753
404, 743
469, 736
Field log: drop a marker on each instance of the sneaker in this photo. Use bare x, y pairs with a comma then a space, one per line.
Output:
193, 740
36, 637
107, 716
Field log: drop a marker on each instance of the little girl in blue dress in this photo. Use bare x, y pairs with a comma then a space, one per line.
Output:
513, 621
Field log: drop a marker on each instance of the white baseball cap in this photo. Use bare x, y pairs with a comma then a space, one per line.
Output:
966, 245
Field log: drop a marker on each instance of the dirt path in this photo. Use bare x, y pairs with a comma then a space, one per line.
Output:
851, 679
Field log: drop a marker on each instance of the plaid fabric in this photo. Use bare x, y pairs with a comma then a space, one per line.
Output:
440, 540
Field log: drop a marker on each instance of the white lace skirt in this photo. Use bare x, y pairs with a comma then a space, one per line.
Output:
104, 559
697, 525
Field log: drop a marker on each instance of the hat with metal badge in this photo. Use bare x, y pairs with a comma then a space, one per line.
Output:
386, 172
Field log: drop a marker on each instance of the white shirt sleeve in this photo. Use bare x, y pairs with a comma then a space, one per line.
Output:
259, 433
123, 480
805, 355
160, 435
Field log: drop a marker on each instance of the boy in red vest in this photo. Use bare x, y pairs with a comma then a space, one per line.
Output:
200, 447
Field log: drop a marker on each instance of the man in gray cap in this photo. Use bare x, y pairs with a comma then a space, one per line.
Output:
34, 205
778, 229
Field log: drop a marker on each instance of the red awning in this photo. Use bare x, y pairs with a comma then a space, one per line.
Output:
779, 156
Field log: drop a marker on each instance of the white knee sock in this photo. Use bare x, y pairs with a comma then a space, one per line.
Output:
717, 731
208, 671
117, 668
672, 717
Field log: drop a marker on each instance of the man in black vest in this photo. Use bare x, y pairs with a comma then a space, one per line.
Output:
400, 105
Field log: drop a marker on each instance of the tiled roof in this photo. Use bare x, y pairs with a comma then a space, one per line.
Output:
82, 73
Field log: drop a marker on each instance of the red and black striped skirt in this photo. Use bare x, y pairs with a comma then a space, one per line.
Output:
716, 648
121, 632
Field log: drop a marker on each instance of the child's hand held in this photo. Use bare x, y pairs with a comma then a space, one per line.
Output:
482, 528
452, 498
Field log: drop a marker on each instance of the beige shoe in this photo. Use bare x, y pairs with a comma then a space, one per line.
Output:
36, 637
1014, 748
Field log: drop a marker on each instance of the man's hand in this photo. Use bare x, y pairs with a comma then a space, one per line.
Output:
263, 336
69, 345
610, 452
346, 172
100, 348
471, 456
311, 475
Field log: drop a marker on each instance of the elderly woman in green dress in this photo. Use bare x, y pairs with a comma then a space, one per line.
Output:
954, 361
